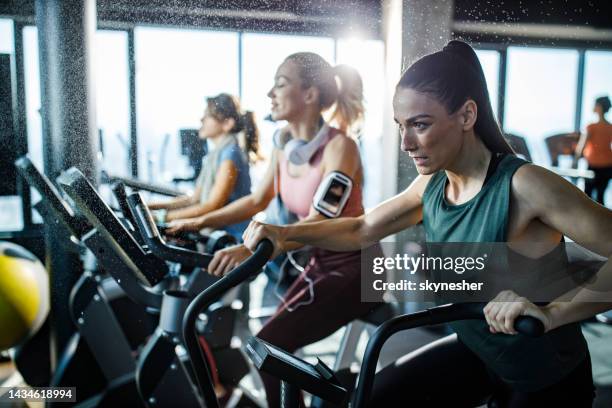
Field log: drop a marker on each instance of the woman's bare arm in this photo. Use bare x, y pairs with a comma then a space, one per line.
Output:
349, 233
246, 207
225, 181
178, 202
560, 205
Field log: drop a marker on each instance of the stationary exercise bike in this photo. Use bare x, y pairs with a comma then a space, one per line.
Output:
161, 377
98, 359
297, 374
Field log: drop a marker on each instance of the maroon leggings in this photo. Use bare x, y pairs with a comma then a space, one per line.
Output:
336, 302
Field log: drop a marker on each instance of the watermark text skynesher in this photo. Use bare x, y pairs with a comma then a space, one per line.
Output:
452, 272
406, 285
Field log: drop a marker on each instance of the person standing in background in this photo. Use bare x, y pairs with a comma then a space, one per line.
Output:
596, 148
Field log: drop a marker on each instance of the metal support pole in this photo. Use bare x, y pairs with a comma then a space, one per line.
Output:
66, 32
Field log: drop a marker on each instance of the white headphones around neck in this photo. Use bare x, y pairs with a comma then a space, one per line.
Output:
299, 151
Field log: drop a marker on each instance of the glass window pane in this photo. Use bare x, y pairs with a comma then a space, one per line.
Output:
261, 56
112, 100
10, 206
540, 95
6, 36
32, 102
489, 59
32, 91
367, 56
597, 82
175, 71
10, 213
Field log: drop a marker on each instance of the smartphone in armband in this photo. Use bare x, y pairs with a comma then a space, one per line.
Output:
332, 194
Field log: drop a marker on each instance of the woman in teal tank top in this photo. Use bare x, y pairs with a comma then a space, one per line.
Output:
472, 188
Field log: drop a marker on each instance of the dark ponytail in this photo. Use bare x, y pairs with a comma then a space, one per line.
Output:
225, 106
453, 76
251, 135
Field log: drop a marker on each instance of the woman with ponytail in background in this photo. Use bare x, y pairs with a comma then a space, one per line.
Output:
233, 141
307, 152
472, 188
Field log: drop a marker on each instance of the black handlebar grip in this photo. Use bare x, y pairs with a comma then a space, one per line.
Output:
265, 248
529, 326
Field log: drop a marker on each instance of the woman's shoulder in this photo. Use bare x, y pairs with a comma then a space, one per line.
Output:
339, 148
599, 126
341, 153
529, 175
232, 152
538, 186
340, 141
591, 127
230, 149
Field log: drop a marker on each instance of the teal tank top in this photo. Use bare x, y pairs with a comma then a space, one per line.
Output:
525, 363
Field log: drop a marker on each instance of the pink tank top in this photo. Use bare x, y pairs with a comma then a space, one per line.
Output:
297, 192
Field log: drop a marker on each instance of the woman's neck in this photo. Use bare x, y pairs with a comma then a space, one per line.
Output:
602, 119
306, 127
469, 168
215, 140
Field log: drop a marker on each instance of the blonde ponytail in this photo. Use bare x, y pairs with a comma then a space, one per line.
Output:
348, 111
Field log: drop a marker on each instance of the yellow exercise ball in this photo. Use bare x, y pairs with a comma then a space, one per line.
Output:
24, 294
